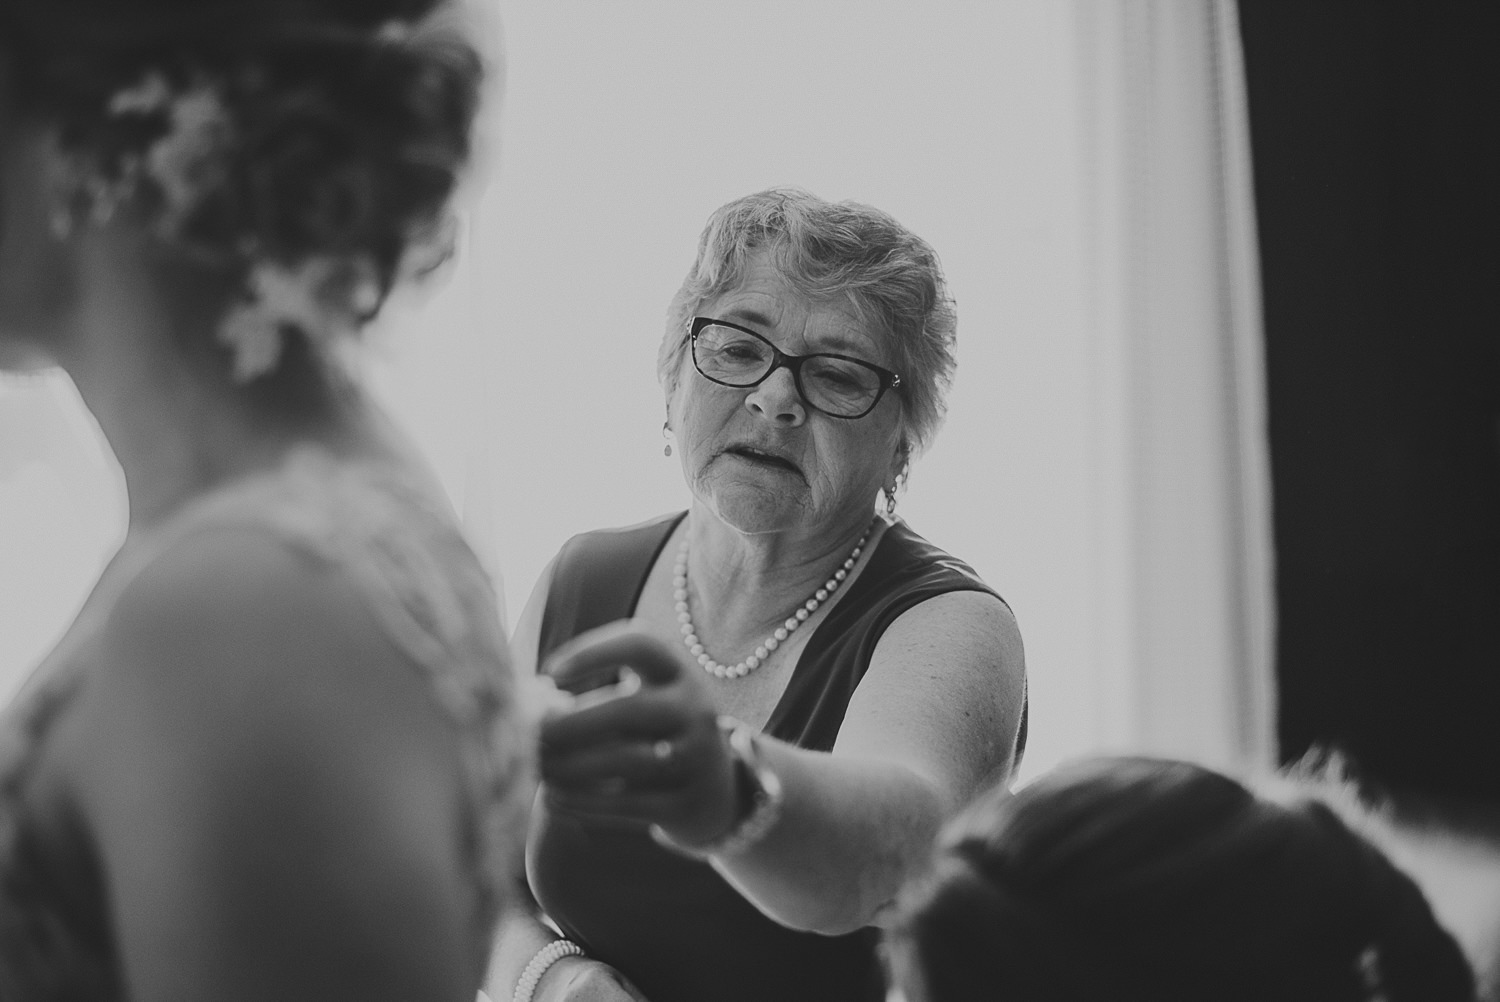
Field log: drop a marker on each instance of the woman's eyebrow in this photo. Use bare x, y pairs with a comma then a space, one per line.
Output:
749, 316
835, 342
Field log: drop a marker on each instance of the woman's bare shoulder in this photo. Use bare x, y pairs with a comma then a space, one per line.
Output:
257, 749
235, 648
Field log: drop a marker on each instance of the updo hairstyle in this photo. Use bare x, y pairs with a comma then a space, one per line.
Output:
841, 252
338, 127
1143, 879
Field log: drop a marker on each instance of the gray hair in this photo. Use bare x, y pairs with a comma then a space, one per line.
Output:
833, 250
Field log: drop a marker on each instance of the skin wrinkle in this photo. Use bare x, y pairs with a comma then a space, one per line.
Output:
834, 252
846, 462
788, 526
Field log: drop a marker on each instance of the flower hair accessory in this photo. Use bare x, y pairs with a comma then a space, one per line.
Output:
277, 178
326, 299
176, 167
183, 163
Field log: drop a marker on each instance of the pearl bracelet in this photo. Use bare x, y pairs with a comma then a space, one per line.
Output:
540, 964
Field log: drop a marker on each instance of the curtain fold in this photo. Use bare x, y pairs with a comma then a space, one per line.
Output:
1182, 527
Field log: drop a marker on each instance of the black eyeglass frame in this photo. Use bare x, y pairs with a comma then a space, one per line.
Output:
888, 380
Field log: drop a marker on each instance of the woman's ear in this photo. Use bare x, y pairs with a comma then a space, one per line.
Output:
901, 462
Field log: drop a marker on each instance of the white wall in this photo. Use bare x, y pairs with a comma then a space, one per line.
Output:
529, 377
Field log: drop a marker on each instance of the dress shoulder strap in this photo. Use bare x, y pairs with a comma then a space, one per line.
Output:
598, 577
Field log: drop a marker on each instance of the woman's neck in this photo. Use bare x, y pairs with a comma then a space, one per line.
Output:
752, 580
175, 422
172, 437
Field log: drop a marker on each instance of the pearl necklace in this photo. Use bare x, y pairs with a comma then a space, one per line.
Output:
690, 634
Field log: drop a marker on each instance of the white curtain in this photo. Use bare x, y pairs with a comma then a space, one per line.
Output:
1182, 536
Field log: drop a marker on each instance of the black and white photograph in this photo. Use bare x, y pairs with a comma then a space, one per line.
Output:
784, 502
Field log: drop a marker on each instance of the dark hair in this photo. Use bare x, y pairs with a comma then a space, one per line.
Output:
348, 120
1136, 878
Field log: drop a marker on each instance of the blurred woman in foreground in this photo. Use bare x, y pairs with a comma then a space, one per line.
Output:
275, 756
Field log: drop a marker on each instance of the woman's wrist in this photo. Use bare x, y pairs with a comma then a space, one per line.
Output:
758, 793
540, 963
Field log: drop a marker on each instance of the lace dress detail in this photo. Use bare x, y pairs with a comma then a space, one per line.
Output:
402, 550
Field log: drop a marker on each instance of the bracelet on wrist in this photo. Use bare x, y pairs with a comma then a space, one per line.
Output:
763, 803
540, 963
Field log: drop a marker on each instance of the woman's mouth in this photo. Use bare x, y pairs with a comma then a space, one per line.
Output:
760, 458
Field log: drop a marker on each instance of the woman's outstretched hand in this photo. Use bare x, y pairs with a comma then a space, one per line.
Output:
640, 741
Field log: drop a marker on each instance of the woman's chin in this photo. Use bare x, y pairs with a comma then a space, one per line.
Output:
757, 511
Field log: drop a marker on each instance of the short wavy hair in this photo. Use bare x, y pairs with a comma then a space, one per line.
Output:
832, 251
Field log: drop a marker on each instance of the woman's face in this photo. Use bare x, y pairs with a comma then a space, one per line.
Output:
761, 458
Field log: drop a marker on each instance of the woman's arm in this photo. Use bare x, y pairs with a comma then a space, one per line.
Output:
935, 717
274, 795
934, 720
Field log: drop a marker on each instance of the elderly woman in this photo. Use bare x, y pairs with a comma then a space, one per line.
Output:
1146, 879
805, 689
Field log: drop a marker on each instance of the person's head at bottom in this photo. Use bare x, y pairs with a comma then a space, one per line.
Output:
1137, 878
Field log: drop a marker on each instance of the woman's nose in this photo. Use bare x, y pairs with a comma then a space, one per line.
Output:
776, 397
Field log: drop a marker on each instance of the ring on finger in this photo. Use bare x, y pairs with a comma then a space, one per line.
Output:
662, 751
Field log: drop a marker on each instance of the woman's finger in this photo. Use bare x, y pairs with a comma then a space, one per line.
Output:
658, 765
642, 715
597, 656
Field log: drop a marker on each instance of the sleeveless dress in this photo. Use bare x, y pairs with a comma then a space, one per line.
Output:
402, 549
672, 925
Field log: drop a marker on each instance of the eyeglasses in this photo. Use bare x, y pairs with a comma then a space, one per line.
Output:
837, 385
